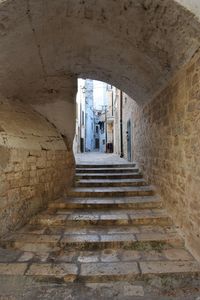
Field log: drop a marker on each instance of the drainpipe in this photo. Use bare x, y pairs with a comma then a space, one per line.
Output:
80, 126
121, 124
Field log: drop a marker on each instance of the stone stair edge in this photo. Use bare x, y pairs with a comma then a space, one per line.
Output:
94, 272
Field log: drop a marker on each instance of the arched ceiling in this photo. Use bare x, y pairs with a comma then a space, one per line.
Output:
136, 45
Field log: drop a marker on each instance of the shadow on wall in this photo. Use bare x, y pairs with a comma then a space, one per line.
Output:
35, 164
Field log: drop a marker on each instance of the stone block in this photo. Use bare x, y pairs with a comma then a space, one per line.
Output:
12, 268
65, 271
118, 270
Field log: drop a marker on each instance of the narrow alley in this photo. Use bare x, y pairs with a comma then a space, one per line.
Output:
99, 149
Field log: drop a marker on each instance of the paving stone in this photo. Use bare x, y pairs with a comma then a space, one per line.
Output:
97, 229
8, 255
154, 236
118, 238
152, 255
75, 239
36, 238
130, 255
65, 212
83, 217
66, 271
109, 255
169, 267
100, 201
75, 230
64, 256
41, 257
177, 254
115, 218
152, 228
118, 270
133, 290
48, 220
123, 229
149, 220
32, 242
26, 256
88, 257
13, 268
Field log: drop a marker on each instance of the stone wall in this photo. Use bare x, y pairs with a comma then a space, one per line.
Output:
166, 143
35, 165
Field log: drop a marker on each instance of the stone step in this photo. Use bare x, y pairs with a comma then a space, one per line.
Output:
98, 272
111, 191
101, 166
109, 182
151, 241
99, 230
102, 218
103, 272
110, 255
107, 203
109, 176
106, 170
154, 241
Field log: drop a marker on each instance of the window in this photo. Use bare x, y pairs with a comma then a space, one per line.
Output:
102, 127
97, 129
83, 117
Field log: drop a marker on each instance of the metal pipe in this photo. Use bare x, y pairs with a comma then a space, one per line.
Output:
121, 124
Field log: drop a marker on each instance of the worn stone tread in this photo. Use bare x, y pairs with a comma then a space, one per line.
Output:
109, 182
107, 175
111, 191
98, 203
169, 267
111, 217
12, 268
67, 271
119, 271
109, 170
50, 243
128, 165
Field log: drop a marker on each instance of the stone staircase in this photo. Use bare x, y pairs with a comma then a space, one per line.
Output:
110, 227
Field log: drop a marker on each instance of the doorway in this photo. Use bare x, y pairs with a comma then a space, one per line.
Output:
129, 148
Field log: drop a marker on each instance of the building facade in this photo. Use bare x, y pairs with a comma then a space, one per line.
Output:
94, 117
89, 116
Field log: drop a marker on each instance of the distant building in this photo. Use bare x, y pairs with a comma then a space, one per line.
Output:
79, 139
94, 117
89, 116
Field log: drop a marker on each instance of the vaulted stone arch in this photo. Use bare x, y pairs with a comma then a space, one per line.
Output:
135, 45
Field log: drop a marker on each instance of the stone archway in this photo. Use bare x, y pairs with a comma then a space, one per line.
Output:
135, 45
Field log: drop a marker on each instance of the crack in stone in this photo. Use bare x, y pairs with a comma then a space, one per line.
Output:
36, 40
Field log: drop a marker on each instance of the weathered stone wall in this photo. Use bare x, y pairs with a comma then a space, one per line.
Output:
166, 143
35, 165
